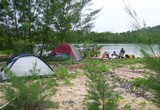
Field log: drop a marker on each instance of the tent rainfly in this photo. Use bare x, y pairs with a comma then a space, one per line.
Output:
66, 50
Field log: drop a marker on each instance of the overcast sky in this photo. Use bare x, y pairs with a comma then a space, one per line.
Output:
113, 17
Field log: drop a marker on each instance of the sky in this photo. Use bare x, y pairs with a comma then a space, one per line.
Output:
113, 17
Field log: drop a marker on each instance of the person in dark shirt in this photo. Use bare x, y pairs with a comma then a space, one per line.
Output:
121, 54
115, 55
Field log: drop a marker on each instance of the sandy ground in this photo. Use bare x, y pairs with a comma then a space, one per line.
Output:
72, 97
133, 98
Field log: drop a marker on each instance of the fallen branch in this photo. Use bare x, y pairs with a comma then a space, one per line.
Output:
8, 103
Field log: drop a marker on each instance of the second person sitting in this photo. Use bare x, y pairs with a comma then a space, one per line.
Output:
105, 55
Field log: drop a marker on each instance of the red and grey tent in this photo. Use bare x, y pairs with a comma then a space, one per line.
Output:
66, 50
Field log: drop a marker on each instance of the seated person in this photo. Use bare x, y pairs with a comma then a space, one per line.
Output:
105, 55
121, 54
115, 55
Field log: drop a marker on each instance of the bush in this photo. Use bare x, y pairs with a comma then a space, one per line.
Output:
100, 95
22, 46
28, 93
152, 83
63, 74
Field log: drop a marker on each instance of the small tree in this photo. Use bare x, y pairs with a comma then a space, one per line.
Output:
100, 95
151, 60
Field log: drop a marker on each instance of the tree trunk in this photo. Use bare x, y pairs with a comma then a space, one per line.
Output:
15, 19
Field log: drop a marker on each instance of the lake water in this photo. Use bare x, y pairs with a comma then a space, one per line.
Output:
134, 49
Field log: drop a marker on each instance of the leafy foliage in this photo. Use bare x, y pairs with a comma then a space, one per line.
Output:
151, 60
100, 94
63, 73
43, 22
125, 37
90, 50
152, 83
22, 46
126, 107
28, 93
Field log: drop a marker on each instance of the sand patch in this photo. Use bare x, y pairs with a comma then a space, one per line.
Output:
71, 97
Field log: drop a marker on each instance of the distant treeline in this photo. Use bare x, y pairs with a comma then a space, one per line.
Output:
137, 36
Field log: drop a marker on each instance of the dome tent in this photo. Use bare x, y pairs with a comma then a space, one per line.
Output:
22, 65
66, 50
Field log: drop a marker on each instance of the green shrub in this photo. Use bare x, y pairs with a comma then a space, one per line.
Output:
67, 81
95, 66
8, 52
152, 83
100, 95
29, 93
63, 74
142, 104
132, 67
126, 107
139, 82
22, 46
